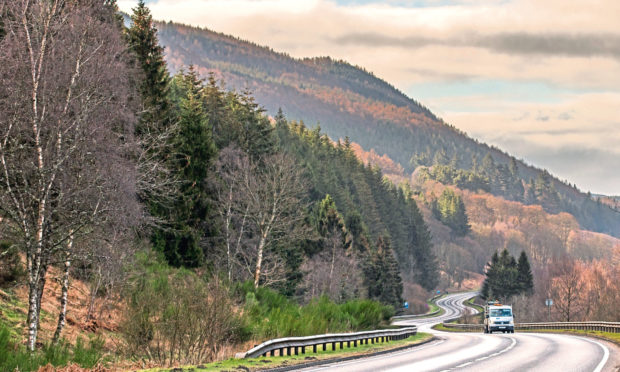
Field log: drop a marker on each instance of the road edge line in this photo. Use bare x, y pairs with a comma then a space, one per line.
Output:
346, 359
603, 361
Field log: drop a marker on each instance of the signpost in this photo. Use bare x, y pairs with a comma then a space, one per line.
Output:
548, 303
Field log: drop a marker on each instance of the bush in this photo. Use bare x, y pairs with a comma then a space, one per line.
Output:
270, 314
174, 316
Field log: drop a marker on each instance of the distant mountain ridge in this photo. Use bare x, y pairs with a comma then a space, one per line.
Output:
349, 101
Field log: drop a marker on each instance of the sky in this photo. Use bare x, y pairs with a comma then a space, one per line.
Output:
540, 79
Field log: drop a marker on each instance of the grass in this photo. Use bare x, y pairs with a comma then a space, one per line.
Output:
280, 361
14, 356
440, 327
432, 307
474, 305
12, 315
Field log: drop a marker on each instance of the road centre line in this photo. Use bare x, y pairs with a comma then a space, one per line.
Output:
514, 342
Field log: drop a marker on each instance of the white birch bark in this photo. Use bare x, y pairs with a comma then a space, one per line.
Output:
62, 316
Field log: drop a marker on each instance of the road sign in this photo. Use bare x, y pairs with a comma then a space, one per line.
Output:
438, 291
406, 305
548, 302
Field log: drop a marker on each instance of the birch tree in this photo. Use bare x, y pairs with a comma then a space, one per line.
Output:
260, 205
274, 199
65, 129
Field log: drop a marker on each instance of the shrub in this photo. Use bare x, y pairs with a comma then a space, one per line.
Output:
174, 316
270, 314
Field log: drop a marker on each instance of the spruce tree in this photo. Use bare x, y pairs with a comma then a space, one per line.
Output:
525, 277
426, 265
506, 278
450, 210
154, 87
490, 286
382, 276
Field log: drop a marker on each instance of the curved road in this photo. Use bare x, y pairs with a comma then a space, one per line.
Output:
486, 352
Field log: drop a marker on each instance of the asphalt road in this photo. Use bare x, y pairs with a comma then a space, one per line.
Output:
488, 352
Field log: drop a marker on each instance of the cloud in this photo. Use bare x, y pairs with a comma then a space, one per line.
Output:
589, 168
553, 44
577, 140
579, 45
558, 61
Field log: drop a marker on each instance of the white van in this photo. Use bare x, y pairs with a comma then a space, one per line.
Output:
498, 317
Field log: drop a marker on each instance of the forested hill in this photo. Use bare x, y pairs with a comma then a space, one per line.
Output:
349, 101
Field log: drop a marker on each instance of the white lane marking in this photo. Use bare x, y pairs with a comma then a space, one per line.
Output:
603, 361
514, 342
389, 355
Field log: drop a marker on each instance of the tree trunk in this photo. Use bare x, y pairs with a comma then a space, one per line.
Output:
228, 218
62, 316
93, 295
33, 321
331, 269
259, 259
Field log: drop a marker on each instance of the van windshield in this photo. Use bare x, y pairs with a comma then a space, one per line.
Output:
501, 312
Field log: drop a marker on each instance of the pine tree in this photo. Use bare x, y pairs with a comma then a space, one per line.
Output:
154, 87
490, 287
426, 265
382, 276
506, 278
525, 277
280, 119
450, 210
194, 151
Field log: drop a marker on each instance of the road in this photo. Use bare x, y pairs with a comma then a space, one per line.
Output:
486, 352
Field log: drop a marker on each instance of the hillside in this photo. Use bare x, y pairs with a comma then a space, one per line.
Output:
348, 101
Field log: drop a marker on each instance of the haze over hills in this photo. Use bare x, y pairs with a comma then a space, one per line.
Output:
348, 101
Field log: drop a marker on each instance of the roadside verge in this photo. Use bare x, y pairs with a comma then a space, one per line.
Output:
295, 362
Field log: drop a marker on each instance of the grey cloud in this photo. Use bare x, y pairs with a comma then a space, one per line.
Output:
373, 39
590, 168
577, 45
565, 116
519, 43
440, 75
554, 132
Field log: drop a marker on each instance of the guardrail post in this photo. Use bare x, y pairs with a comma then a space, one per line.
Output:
314, 348
303, 349
348, 343
325, 347
272, 352
288, 351
341, 345
354, 343
333, 346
